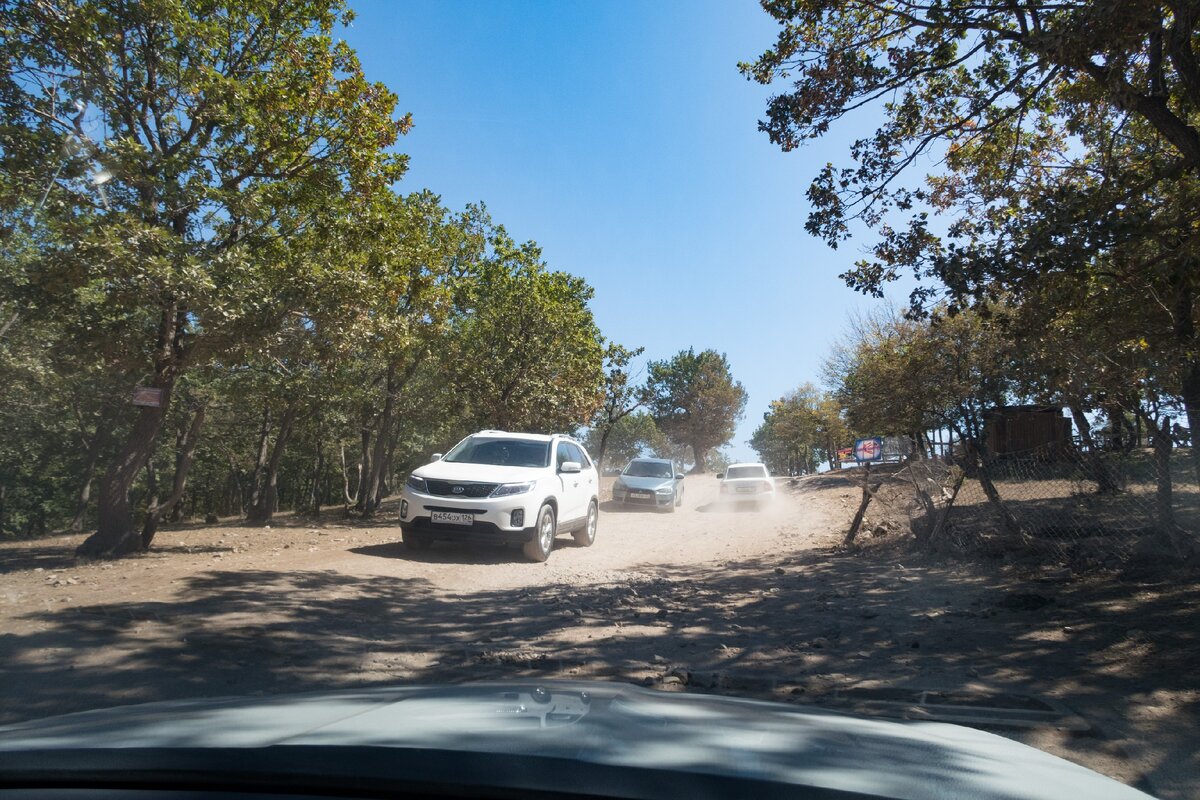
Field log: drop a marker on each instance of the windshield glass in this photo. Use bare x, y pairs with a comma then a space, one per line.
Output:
746, 472
501, 452
649, 469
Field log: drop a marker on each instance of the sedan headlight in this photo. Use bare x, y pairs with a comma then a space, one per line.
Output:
417, 484
508, 489
665, 490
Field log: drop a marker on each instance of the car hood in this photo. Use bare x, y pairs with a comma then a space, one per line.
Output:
591, 723
645, 483
484, 473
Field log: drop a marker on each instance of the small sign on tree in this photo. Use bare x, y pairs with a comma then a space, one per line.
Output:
147, 396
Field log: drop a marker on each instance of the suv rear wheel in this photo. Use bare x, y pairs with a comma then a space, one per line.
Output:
538, 548
587, 534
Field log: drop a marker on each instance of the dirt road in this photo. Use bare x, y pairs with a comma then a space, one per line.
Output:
233, 609
705, 599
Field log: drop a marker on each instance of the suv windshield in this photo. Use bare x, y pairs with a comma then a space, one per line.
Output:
746, 472
501, 452
648, 469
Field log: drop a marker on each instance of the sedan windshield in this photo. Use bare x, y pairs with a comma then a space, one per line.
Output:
501, 452
648, 469
755, 471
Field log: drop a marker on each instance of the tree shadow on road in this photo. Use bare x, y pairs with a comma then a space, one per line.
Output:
446, 553
810, 623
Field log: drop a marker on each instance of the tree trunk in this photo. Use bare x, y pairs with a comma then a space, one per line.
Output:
314, 493
935, 536
389, 472
364, 466
115, 534
91, 460
1163, 505
151, 489
1191, 404
868, 492
1105, 482
603, 448
369, 501
260, 463
978, 451
314, 497
993, 495
261, 513
184, 454
350, 500
701, 456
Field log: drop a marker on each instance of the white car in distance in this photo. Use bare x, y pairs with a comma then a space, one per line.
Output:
497, 487
747, 483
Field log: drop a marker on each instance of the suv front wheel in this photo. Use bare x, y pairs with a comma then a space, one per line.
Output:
538, 548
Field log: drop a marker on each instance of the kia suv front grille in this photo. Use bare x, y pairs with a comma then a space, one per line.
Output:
460, 488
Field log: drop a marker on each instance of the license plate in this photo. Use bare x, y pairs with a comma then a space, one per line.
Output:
641, 494
452, 518
746, 489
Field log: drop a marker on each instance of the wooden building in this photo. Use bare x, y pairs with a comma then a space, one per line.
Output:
1027, 430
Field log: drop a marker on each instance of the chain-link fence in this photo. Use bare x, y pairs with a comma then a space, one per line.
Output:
1095, 509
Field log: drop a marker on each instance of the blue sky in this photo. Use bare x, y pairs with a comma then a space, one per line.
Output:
621, 137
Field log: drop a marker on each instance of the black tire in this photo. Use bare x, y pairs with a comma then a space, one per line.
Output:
587, 534
673, 505
417, 541
538, 548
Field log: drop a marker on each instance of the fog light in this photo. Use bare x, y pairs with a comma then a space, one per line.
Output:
403, 509
518, 518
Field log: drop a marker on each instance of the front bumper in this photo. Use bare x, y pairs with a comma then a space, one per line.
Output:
757, 496
655, 499
493, 517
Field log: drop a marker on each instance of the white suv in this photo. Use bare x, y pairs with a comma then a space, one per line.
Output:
503, 487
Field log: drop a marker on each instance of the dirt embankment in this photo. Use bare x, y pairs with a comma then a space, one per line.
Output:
709, 598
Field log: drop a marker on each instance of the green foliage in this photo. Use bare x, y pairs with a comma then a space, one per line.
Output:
895, 376
621, 398
631, 436
1067, 145
695, 400
222, 128
1006, 93
197, 196
526, 353
801, 430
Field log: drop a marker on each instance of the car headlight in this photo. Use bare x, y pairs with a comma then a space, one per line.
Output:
665, 490
508, 489
417, 484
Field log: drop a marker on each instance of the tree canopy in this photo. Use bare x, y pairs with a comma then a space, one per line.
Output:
198, 198
1039, 158
695, 400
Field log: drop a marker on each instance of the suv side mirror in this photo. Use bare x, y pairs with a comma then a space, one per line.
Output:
436, 457
570, 466
720, 476
679, 476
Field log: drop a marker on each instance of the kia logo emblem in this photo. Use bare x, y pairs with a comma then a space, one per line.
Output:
457, 490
